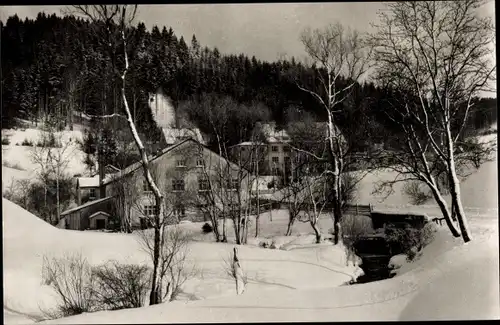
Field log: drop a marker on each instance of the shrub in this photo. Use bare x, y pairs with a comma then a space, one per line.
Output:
352, 228
71, 278
207, 228
416, 192
27, 143
119, 286
12, 165
5, 141
409, 240
50, 141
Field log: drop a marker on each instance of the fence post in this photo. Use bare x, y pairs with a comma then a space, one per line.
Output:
357, 210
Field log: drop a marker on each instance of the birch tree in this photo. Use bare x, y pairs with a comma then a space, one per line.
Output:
119, 18
342, 56
52, 155
437, 56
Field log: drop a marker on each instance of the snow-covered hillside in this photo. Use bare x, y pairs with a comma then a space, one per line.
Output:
479, 190
300, 282
27, 239
14, 154
460, 283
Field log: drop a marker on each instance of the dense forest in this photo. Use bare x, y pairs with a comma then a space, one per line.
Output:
58, 66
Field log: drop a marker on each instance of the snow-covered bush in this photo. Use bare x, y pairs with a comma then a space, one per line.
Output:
119, 286
409, 240
27, 143
353, 228
207, 228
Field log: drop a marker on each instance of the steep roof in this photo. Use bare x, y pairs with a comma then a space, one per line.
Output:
86, 205
131, 168
99, 213
109, 169
174, 135
152, 158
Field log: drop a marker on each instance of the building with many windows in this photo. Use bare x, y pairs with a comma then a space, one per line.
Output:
184, 172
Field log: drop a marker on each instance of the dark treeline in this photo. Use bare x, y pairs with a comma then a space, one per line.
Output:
58, 66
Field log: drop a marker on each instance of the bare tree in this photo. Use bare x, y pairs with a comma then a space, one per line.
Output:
122, 16
229, 185
52, 156
173, 267
438, 57
342, 56
232, 267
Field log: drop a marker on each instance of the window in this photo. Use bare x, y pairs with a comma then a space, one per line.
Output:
178, 185
286, 148
92, 194
145, 186
203, 184
233, 184
181, 163
275, 160
149, 210
274, 148
200, 163
179, 212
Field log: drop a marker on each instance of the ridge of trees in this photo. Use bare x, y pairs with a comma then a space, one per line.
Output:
51, 65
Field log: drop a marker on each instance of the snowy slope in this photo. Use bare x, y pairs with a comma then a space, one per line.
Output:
479, 190
27, 239
408, 297
20, 155
297, 285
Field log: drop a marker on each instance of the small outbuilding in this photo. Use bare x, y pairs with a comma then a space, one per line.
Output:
99, 220
91, 215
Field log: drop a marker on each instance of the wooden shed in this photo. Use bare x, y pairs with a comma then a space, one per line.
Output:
86, 216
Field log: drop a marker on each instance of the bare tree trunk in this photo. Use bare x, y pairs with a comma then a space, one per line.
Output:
224, 230
314, 225
58, 202
238, 273
455, 190
257, 217
154, 298
444, 210
291, 221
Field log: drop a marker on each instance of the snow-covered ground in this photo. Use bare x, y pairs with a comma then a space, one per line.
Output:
20, 156
27, 239
284, 285
299, 282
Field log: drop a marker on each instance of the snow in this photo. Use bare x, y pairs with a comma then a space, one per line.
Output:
27, 239
301, 281
20, 155
88, 181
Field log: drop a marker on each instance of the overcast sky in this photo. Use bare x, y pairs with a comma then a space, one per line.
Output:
263, 30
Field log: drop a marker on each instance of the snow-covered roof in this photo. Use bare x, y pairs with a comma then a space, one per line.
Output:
174, 135
272, 134
248, 143
86, 205
261, 183
84, 182
109, 178
109, 169
99, 213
